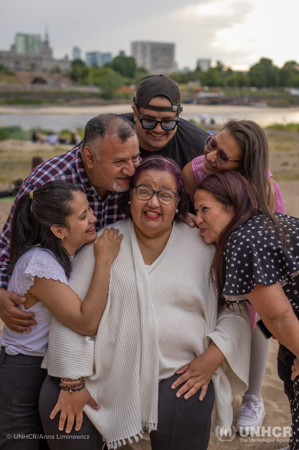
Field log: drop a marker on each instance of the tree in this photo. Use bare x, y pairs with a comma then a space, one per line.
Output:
264, 74
238, 79
110, 83
289, 74
125, 65
79, 71
212, 77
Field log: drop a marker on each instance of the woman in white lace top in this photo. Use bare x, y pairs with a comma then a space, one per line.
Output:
48, 226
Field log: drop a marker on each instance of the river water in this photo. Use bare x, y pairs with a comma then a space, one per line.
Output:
58, 118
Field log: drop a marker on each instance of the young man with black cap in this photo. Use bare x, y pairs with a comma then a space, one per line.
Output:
160, 131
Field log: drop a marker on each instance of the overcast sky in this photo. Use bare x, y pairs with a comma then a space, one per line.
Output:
236, 32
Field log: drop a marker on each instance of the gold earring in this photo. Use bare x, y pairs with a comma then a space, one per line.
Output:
62, 238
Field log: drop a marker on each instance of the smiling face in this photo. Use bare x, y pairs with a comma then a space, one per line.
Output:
150, 217
115, 165
211, 215
80, 224
229, 145
153, 140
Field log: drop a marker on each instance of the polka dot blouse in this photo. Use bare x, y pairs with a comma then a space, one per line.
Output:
255, 255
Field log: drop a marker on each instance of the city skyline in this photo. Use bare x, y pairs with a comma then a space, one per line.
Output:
236, 32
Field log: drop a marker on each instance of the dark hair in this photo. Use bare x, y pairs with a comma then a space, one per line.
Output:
33, 218
232, 190
159, 164
254, 146
103, 124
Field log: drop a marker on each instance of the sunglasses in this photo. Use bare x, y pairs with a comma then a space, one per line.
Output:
150, 124
221, 157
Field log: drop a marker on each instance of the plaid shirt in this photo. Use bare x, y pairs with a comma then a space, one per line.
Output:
68, 167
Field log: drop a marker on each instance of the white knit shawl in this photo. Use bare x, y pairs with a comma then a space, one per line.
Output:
126, 360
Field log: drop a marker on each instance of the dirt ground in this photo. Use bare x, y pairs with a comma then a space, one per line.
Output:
15, 163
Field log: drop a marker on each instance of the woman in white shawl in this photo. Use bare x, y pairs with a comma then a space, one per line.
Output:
160, 340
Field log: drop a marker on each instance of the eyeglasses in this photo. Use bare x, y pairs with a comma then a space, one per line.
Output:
150, 124
165, 196
221, 157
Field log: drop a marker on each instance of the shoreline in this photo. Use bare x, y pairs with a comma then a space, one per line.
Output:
122, 108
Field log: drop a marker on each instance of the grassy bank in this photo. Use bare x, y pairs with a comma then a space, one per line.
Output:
16, 153
19, 133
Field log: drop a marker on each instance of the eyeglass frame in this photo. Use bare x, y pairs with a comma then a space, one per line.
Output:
211, 137
157, 121
156, 192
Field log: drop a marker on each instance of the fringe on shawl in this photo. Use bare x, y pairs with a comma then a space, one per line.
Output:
119, 443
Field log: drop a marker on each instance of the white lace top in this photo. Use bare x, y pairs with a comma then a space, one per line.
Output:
42, 264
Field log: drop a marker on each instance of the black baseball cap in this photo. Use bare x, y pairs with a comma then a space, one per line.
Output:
155, 85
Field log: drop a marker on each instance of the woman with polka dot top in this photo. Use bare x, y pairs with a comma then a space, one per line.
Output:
242, 146
256, 260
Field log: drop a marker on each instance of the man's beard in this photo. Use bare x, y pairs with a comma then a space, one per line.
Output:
117, 188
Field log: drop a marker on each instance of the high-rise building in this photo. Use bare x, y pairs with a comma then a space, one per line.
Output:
76, 53
28, 43
203, 64
156, 57
30, 53
97, 58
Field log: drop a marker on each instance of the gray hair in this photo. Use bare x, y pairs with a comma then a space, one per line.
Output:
97, 128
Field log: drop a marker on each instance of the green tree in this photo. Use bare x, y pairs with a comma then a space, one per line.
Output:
140, 73
238, 79
125, 65
212, 77
79, 71
289, 74
110, 83
264, 74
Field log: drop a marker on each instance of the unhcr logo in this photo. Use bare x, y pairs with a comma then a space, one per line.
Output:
225, 433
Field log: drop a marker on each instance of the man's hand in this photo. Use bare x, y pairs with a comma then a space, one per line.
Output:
15, 319
71, 406
190, 220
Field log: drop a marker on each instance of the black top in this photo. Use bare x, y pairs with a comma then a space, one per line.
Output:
187, 143
255, 255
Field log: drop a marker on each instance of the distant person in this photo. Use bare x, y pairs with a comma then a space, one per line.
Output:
36, 137
75, 139
160, 130
204, 118
36, 161
62, 138
51, 138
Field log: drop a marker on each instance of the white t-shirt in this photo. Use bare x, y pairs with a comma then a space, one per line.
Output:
43, 264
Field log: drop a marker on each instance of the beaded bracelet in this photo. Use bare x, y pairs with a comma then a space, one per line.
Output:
77, 385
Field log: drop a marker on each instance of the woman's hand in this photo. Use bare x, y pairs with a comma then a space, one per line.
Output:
71, 406
190, 220
295, 369
106, 246
198, 373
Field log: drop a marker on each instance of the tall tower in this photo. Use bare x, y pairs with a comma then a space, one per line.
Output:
47, 51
